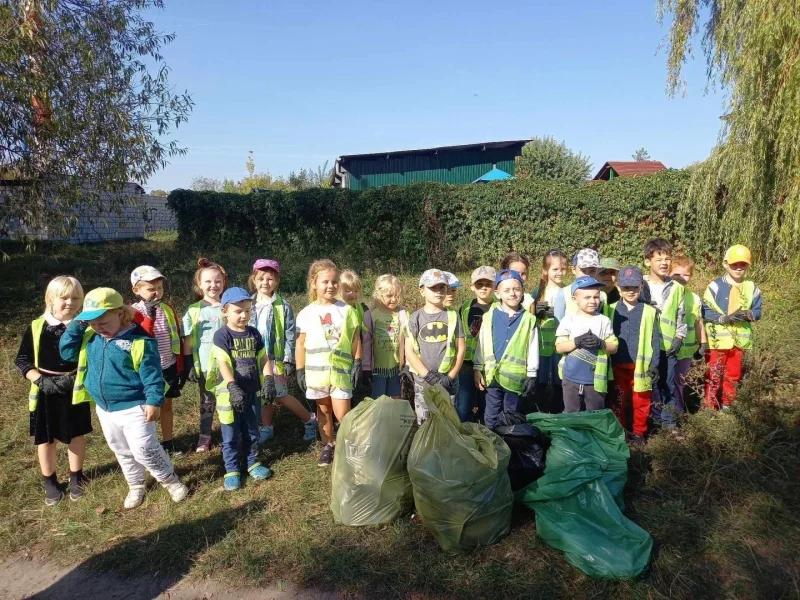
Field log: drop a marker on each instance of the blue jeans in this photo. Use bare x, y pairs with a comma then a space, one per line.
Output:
385, 386
499, 399
663, 409
468, 395
241, 436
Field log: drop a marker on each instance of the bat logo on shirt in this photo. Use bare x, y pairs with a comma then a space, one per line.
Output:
434, 333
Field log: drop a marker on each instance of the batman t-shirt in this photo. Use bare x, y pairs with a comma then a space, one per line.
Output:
431, 332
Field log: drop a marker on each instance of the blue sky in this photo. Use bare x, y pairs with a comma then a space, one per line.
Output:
299, 83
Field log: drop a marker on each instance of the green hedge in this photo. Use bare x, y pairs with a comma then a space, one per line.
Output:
451, 226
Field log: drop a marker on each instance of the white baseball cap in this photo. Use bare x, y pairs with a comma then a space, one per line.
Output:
145, 273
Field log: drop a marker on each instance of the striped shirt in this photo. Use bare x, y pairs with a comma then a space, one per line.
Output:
161, 333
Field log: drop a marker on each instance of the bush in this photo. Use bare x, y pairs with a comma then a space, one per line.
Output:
451, 226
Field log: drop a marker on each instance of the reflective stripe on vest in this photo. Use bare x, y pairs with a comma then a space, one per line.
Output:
450, 350
331, 368
667, 317
644, 351
194, 317
172, 324
725, 337
217, 385
80, 394
692, 310
279, 343
511, 370
601, 371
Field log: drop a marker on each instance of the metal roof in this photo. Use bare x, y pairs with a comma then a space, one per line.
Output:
631, 168
477, 146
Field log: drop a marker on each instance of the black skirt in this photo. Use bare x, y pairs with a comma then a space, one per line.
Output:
56, 418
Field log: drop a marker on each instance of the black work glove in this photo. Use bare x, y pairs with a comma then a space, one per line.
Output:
187, 374
406, 384
434, 378
236, 396
268, 391
581, 339
675, 346
55, 384
591, 342
652, 373
150, 307
528, 387
366, 377
748, 315
289, 370
542, 309
174, 381
301, 379
355, 372
701, 352
739, 316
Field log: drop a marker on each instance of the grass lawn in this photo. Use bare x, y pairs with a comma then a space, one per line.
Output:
723, 507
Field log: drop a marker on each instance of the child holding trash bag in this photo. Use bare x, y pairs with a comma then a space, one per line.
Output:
434, 341
507, 356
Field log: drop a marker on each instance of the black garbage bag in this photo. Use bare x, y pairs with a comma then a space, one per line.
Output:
528, 448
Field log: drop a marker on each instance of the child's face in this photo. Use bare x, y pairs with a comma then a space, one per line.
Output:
510, 293
630, 294
483, 289
681, 274
237, 314
266, 282
391, 298
435, 295
150, 290
211, 284
108, 324
736, 270
588, 300
607, 277
327, 285
589, 271
520, 268
556, 271
449, 297
350, 295
659, 263
66, 307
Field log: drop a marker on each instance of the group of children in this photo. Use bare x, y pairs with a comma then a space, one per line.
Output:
560, 349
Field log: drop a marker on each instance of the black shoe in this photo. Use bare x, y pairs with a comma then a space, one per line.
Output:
77, 485
326, 456
53, 493
169, 448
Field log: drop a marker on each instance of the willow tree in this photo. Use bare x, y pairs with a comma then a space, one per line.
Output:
748, 190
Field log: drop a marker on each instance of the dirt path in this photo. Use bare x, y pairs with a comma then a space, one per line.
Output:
33, 578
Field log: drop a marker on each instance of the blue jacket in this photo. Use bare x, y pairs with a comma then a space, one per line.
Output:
269, 331
721, 291
111, 379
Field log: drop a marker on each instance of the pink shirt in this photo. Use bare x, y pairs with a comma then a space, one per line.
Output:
161, 333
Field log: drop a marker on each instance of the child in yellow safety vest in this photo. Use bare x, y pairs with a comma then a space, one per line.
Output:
328, 353
200, 322
53, 415
434, 342
383, 349
694, 346
731, 304
161, 321
273, 317
352, 291
554, 268
507, 356
119, 369
241, 376
586, 339
472, 314
585, 262
514, 261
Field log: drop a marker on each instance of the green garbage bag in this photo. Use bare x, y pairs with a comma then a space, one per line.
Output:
370, 480
459, 472
578, 501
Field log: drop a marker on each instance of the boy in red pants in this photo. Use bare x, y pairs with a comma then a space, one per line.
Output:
636, 362
730, 304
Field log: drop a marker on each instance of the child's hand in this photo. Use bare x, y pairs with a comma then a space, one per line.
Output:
480, 382
151, 413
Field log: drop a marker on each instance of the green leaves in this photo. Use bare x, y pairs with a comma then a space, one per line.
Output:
545, 158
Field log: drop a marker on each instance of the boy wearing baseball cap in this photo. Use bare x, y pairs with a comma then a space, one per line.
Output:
240, 373
434, 341
607, 275
161, 321
119, 369
585, 339
635, 363
731, 304
472, 313
586, 262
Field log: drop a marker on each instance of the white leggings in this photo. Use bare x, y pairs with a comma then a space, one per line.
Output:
135, 444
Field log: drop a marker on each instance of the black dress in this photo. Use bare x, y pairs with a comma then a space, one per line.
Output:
55, 417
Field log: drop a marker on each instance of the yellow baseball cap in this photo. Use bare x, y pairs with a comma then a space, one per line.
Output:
98, 301
738, 253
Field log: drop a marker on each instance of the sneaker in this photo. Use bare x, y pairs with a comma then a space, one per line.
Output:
259, 472
169, 448
232, 482
326, 456
77, 485
267, 433
53, 494
176, 488
725, 407
636, 441
135, 496
310, 429
203, 443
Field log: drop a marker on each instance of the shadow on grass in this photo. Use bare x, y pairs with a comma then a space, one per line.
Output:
147, 566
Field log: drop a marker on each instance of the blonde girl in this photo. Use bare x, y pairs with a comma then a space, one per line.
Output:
274, 319
383, 339
328, 353
53, 416
352, 292
200, 322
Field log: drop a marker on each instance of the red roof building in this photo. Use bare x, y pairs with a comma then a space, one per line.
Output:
633, 168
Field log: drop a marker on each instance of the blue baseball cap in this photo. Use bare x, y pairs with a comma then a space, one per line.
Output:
584, 282
630, 276
234, 295
506, 274
452, 280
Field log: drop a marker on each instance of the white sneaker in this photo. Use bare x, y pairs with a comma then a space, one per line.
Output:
177, 490
135, 496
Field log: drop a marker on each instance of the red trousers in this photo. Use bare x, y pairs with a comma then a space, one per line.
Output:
626, 400
723, 376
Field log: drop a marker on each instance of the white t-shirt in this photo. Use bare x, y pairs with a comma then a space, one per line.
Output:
657, 293
572, 326
331, 317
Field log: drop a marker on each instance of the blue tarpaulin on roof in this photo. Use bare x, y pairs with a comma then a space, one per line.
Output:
493, 175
